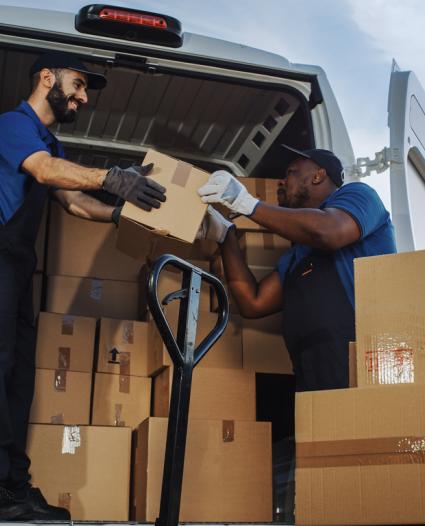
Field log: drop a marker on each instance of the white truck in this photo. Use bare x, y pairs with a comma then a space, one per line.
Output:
210, 102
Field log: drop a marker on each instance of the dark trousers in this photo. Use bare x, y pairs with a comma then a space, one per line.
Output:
17, 368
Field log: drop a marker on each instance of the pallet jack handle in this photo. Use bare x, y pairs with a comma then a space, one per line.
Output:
185, 357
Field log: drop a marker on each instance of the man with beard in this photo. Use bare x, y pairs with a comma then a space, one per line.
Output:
31, 163
313, 285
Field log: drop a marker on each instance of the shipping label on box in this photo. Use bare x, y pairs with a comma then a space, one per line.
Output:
61, 397
390, 319
228, 481
176, 222
123, 347
65, 342
360, 456
120, 400
84, 469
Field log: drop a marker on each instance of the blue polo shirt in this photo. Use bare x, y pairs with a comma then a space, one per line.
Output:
21, 134
364, 205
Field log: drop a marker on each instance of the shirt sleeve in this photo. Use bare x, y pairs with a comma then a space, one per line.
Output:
19, 138
363, 204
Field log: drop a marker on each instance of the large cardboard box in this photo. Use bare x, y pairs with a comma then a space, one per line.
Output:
227, 394
264, 349
226, 353
390, 319
169, 281
174, 225
61, 397
123, 347
120, 400
227, 471
65, 342
92, 297
360, 456
263, 249
78, 247
86, 469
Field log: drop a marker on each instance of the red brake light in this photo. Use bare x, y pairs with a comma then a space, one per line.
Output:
129, 17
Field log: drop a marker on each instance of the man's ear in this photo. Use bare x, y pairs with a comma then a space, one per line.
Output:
319, 176
47, 78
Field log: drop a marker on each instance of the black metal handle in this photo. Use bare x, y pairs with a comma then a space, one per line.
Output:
185, 357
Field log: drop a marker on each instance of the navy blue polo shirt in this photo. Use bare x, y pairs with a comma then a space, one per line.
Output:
377, 233
21, 134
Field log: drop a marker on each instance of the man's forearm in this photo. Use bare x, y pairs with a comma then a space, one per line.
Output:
70, 176
82, 205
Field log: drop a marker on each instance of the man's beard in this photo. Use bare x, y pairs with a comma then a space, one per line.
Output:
297, 200
59, 103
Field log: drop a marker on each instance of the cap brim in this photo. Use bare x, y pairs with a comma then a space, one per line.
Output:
295, 153
94, 80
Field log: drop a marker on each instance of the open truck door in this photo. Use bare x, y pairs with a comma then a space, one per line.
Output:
406, 120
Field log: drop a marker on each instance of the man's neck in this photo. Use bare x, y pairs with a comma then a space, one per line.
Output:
42, 109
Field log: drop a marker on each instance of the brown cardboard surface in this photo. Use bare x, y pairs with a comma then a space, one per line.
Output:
92, 297
65, 342
352, 436
120, 400
61, 397
390, 319
222, 482
352, 364
171, 281
264, 349
263, 249
87, 467
179, 217
83, 248
226, 353
227, 394
127, 342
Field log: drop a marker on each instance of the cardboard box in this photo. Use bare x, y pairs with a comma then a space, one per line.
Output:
263, 189
227, 394
264, 349
92, 297
61, 397
86, 469
263, 249
82, 248
65, 342
174, 225
123, 347
390, 319
226, 353
169, 281
228, 481
352, 364
360, 456
120, 400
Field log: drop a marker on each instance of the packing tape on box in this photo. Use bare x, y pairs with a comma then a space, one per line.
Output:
64, 501
96, 289
57, 419
59, 381
181, 174
228, 430
118, 421
71, 440
360, 452
67, 328
124, 384
128, 332
124, 364
64, 358
389, 364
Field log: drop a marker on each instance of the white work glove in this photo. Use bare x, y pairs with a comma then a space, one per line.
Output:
214, 226
223, 188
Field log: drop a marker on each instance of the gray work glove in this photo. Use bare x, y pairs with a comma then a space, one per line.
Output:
115, 216
132, 185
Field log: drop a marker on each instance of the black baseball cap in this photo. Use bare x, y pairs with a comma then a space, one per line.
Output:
62, 60
324, 158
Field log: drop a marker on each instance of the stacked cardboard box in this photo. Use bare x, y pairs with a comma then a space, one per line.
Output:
360, 451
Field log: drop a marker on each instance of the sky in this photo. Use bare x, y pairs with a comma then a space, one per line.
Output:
354, 41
